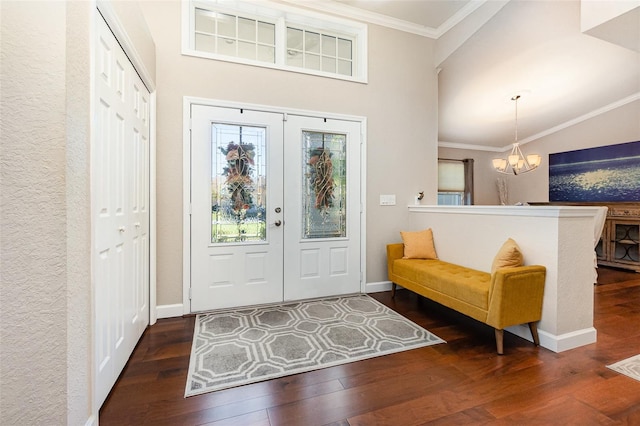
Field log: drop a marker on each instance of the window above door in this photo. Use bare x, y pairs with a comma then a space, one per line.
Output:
274, 35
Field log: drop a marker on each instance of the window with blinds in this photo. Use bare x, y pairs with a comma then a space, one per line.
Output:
455, 182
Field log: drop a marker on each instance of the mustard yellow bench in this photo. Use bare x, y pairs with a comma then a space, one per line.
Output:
507, 297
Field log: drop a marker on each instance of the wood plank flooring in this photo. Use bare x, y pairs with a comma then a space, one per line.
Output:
461, 382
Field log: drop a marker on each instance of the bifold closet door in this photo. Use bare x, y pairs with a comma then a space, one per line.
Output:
120, 209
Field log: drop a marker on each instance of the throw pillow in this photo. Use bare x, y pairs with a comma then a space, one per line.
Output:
508, 256
419, 245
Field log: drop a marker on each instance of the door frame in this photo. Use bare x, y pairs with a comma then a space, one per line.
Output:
188, 101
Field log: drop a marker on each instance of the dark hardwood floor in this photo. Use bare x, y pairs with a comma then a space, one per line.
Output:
461, 382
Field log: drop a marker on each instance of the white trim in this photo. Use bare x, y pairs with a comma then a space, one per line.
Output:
561, 342
557, 343
111, 18
169, 311
592, 114
153, 262
94, 406
602, 110
455, 145
379, 286
352, 12
363, 204
459, 16
186, 201
188, 101
91, 420
529, 211
193, 100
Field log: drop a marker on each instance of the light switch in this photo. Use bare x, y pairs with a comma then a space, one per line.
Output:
388, 200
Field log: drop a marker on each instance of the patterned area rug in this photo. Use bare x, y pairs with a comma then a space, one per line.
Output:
239, 347
629, 367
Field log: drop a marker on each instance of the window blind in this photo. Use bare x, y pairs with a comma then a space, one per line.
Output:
450, 176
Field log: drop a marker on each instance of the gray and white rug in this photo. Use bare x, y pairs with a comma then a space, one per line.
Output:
249, 345
629, 367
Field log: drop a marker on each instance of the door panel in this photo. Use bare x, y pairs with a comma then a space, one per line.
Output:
236, 197
322, 215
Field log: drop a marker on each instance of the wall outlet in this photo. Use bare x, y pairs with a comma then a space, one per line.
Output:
388, 200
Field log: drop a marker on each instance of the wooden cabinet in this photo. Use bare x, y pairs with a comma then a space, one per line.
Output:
619, 245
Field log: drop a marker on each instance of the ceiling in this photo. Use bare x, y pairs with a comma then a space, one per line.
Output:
534, 48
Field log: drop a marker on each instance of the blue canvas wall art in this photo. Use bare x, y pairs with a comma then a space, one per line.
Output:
603, 174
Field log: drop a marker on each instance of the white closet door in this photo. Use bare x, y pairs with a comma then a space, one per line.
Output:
120, 209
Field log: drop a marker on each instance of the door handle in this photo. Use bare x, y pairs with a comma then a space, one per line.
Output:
277, 222
121, 229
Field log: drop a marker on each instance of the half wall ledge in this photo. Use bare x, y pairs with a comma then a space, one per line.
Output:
558, 237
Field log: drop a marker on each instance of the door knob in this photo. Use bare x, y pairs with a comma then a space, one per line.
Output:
277, 223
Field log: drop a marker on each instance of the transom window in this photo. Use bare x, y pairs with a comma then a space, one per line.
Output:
275, 36
317, 51
233, 35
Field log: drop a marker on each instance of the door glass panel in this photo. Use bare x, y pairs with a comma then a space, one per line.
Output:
324, 185
238, 183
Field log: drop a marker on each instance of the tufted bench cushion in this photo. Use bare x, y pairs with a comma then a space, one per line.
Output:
468, 285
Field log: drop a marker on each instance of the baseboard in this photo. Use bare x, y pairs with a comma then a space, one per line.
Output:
169, 311
558, 343
378, 287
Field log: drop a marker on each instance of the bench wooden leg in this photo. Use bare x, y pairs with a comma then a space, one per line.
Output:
393, 290
500, 341
534, 333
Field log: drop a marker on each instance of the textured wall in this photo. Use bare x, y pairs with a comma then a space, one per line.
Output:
45, 233
34, 250
400, 103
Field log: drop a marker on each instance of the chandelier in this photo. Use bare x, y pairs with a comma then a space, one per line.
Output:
516, 162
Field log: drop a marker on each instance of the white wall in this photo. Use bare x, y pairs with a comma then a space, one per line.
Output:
400, 102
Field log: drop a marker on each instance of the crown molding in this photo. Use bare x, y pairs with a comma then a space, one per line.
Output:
459, 16
355, 13
610, 107
455, 145
596, 112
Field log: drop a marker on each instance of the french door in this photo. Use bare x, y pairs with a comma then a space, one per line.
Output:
236, 208
322, 187
275, 207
